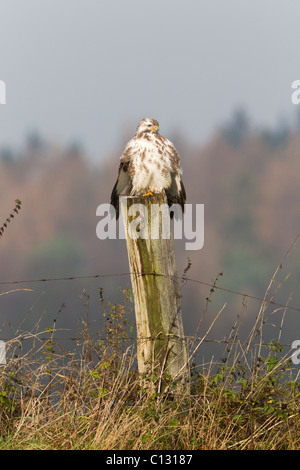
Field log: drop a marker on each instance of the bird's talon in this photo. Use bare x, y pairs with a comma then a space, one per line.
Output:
148, 194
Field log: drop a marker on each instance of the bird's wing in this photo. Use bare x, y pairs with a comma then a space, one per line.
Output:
176, 193
123, 184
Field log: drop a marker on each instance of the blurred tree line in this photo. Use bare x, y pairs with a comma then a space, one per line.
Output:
247, 178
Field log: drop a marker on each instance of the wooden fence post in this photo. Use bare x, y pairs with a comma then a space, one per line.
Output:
161, 348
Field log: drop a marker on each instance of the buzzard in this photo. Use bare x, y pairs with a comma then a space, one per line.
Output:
149, 164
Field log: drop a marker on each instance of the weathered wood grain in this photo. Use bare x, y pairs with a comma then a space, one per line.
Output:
161, 347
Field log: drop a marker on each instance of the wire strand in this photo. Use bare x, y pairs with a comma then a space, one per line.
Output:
183, 278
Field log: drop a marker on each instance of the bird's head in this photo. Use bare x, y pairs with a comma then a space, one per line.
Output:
148, 125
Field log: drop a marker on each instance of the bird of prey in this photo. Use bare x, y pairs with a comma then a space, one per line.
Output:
149, 164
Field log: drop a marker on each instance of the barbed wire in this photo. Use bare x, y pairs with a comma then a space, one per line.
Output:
182, 278
80, 339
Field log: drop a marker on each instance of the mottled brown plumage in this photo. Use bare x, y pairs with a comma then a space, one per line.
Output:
149, 164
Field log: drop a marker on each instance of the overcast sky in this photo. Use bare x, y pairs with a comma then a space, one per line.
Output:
89, 70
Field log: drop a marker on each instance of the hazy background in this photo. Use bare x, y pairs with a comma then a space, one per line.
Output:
80, 74
89, 70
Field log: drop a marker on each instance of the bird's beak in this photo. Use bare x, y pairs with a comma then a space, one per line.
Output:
154, 128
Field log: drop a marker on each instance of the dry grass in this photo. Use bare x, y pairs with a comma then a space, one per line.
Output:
91, 398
